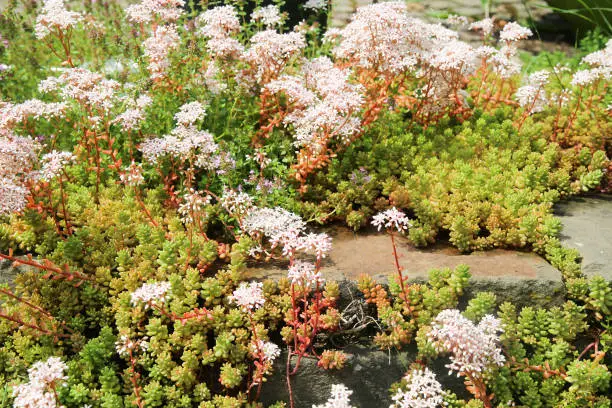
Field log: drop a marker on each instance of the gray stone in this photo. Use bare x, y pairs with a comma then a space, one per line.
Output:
7, 272
521, 277
369, 373
587, 227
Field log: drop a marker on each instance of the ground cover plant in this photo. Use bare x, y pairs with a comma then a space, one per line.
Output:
149, 154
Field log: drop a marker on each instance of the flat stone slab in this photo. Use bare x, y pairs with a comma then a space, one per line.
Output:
522, 277
371, 253
587, 227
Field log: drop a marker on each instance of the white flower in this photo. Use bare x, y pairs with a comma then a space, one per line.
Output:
219, 22
125, 345
53, 164
157, 48
304, 273
54, 16
190, 113
339, 398
132, 176
249, 296
486, 26
13, 197
514, 32
315, 5
151, 294
43, 379
269, 350
268, 15
474, 348
192, 205
391, 219
423, 391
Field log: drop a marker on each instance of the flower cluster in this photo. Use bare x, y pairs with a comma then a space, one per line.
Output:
324, 103
269, 351
270, 51
315, 5
193, 203
54, 16
532, 96
39, 391
391, 219
148, 10
18, 156
134, 115
218, 25
125, 346
339, 398
13, 114
151, 294
237, 203
190, 113
157, 49
474, 348
423, 391
132, 176
89, 88
304, 273
601, 63
53, 163
249, 296
268, 15
184, 140
13, 197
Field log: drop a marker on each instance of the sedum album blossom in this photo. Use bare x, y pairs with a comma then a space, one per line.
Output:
513, 32
474, 348
248, 296
132, 175
39, 391
148, 11
305, 273
190, 113
151, 294
392, 219
339, 398
423, 391
269, 16
193, 203
55, 16
158, 47
13, 197
269, 350
315, 5
53, 163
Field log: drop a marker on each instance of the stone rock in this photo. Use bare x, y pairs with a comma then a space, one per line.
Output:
521, 277
587, 227
369, 372
7, 272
